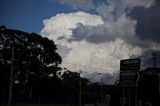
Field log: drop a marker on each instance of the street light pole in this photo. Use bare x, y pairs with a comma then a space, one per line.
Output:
101, 91
80, 90
11, 77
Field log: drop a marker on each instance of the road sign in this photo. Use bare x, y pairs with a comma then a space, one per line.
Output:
128, 84
130, 64
128, 76
129, 72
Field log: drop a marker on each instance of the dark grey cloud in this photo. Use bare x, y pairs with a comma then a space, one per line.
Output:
120, 23
93, 34
103, 33
142, 43
148, 22
147, 59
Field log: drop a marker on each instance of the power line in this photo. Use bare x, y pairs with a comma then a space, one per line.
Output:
95, 68
85, 66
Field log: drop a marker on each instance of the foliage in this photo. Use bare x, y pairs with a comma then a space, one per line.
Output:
37, 77
35, 62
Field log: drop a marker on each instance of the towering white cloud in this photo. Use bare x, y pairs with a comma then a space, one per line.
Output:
62, 24
83, 54
96, 43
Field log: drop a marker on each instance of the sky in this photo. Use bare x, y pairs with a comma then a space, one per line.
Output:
92, 36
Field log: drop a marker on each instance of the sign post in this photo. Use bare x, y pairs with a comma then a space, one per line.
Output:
128, 75
129, 72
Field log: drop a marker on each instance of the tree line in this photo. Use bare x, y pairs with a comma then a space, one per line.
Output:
37, 76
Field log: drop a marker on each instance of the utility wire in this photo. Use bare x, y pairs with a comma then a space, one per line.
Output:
85, 66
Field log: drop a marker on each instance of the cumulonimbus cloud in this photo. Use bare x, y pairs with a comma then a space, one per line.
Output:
94, 43
104, 56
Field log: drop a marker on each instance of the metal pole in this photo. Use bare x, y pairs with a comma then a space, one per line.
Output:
101, 91
154, 56
79, 91
123, 98
101, 94
136, 89
30, 95
11, 77
129, 97
136, 96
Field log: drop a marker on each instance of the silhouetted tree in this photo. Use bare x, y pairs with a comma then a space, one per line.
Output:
35, 63
71, 83
37, 77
